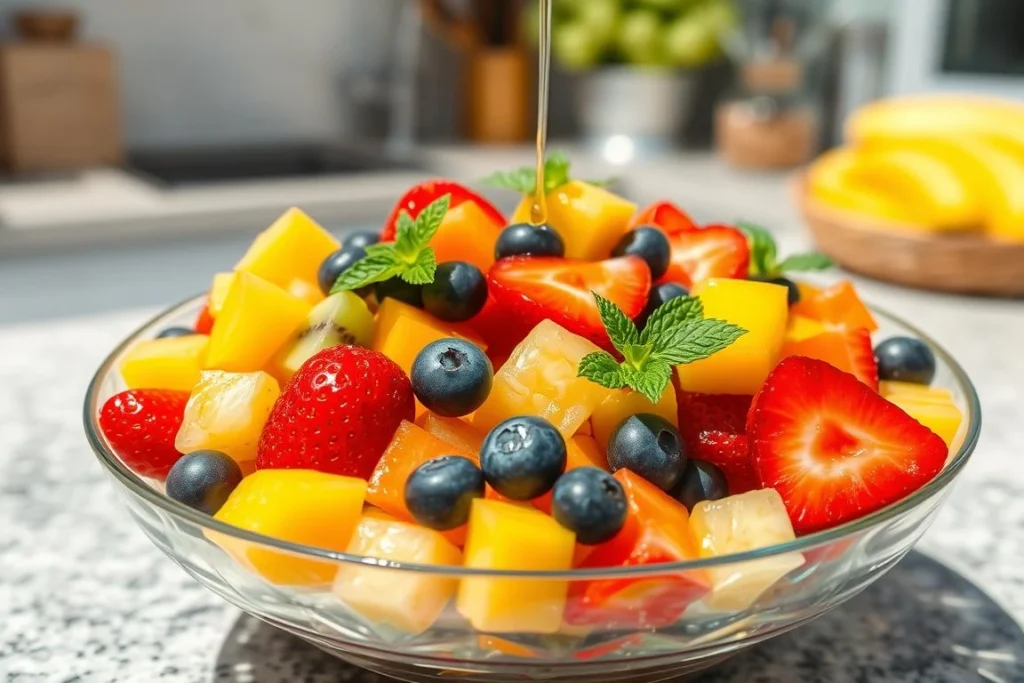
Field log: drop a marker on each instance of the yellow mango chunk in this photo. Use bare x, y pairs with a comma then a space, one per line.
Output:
624, 403
589, 219
299, 506
932, 407
305, 290
292, 248
169, 363
736, 524
226, 412
507, 536
218, 292
401, 332
257, 318
758, 307
404, 600
801, 327
540, 379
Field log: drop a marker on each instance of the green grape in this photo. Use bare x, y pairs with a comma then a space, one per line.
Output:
640, 38
601, 17
690, 42
574, 47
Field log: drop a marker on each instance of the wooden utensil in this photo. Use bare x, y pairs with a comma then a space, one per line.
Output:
962, 263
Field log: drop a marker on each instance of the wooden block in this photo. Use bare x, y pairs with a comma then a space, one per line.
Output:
59, 107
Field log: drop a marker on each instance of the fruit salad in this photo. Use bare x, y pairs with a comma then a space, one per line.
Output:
621, 387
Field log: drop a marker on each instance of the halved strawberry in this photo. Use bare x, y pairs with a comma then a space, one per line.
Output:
665, 215
848, 349
713, 426
712, 251
204, 321
833, 448
500, 328
423, 194
534, 288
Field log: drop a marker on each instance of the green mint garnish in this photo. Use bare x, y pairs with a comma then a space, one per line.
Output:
408, 257
764, 255
524, 180
676, 333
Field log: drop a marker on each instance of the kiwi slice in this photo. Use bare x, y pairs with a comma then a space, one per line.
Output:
341, 318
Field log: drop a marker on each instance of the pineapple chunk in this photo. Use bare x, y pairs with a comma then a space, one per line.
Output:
761, 309
624, 403
292, 248
226, 412
407, 601
298, 506
933, 407
257, 318
736, 524
169, 363
513, 537
540, 379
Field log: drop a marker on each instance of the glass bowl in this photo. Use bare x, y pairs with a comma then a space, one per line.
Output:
818, 572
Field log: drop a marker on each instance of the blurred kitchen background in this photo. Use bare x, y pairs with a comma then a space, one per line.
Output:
144, 143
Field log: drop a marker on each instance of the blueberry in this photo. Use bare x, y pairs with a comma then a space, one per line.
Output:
451, 377
458, 292
590, 502
440, 492
523, 457
336, 264
659, 295
203, 480
399, 289
905, 359
523, 239
792, 291
648, 243
701, 481
175, 332
649, 446
361, 240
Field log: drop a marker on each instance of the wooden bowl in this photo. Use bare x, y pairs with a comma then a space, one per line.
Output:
961, 263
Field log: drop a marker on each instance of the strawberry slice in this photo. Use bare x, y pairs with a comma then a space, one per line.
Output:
713, 426
712, 251
204, 321
500, 328
665, 215
848, 349
834, 449
423, 194
534, 288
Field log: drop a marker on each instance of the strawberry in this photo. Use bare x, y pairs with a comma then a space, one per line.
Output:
712, 251
833, 448
140, 426
535, 288
665, 215
204, 321
337, 414
713, 426
423, 194
500, 328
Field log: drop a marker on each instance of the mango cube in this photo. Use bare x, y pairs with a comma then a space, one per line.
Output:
306, 291
540, 379
933, 407
402, 331
299, 506
218, 292
407, 601
800, 327
257, 318
293, 247
226, 412
466, 234
169, 363
736, 524
624, 403
505, 536
758, 307
453, 430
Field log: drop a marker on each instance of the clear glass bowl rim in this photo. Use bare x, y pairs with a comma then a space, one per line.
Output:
181, 512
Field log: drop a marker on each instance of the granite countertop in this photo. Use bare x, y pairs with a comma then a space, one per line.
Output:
85, 597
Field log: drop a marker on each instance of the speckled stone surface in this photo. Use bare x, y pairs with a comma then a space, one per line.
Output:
85, 597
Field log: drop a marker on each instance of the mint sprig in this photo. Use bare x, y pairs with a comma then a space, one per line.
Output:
408, 257
524, 179
675, 334
764, 256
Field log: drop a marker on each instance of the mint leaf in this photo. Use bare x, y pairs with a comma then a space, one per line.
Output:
763, 252
373, 268
653, 379
601, 368
421, 271
430, 219
524, 180
406, 245
620, 328
803, 262
556, 171
695, 340
670, 314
